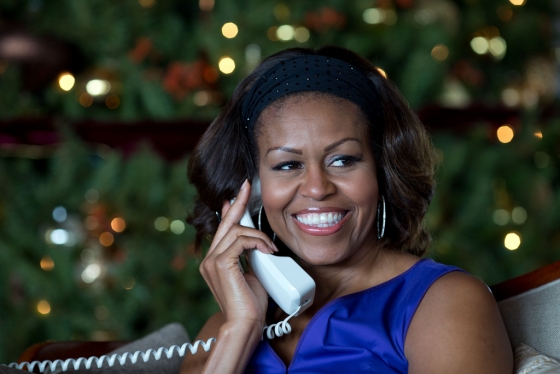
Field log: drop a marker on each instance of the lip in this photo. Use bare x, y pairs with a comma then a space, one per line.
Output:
321, 231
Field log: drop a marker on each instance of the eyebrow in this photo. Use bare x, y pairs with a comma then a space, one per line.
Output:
326, 149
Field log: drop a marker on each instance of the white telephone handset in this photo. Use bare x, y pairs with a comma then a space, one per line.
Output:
283, 279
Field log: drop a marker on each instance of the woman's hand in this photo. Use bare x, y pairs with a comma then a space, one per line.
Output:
241, 297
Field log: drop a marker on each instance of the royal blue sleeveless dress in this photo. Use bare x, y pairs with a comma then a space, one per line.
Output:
363, 332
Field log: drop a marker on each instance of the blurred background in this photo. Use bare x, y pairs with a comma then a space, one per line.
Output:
102, 101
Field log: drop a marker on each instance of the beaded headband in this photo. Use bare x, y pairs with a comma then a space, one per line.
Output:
311, 73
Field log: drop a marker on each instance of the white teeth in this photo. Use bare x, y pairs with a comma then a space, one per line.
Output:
320, 220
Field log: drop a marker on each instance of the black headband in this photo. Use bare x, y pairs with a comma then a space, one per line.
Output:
312, 73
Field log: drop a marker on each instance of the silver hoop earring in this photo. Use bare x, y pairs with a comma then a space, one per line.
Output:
381, 227
259, 223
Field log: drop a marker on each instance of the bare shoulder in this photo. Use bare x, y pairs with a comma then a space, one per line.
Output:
458, 329
195, 363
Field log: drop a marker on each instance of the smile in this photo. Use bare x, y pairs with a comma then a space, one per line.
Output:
322, 220
321, 223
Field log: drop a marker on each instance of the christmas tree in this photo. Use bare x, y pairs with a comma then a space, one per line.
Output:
93, 243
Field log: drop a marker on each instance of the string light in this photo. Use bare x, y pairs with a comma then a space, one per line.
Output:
538, 134
519, 215
147, 3
226, 65
382, 72
281, 12
59, 214
517, 2
161, 223
106, 239
501, 217
374, 16
66, 81
301, 34
177, 227
101, 313
285, 32
118, 224
206, 5
505, 134
511, 97
98, 87
112, 101
271, 33
91, 273
480, 45
59, 236
512, 241
47, 263
92, 196
85, 100
230, 30
440, 52
201, 98
129, 284
44, 307
541, 160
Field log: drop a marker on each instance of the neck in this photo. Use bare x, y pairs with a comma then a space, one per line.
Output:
354, 275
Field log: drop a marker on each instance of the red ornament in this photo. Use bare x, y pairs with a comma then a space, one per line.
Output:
181, 78
141, 50
325, 19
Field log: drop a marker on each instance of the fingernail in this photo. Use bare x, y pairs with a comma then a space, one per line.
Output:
244, 184
274, 247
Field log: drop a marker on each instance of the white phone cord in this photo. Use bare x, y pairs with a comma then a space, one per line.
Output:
280, 328
115, 357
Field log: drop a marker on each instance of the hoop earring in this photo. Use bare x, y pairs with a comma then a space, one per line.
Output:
260, 226
381, 227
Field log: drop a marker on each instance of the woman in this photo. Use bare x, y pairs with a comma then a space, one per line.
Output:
346, 172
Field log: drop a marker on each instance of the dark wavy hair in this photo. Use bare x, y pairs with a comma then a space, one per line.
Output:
404, 156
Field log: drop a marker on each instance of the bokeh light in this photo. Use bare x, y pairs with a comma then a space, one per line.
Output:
177, 227
118, 224
230, 30
285, 32
440, 52
226, 65
47, 263
98, 87
106, 239
505, 134
44, 307
512, 241
66, 81
161, 223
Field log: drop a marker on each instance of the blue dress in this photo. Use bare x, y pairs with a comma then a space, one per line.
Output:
363, 332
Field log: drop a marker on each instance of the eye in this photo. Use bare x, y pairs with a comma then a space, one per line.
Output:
345, 160
288, 165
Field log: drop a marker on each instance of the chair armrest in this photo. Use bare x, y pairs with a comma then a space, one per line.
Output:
71, 349
515, 286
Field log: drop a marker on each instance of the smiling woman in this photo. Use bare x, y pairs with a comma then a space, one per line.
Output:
346, 172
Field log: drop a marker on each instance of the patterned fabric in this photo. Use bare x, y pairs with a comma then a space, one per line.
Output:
529, 361
362, 332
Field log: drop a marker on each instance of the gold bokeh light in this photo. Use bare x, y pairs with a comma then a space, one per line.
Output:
230, 30
118, 224
43, 307
47, 263
505, 134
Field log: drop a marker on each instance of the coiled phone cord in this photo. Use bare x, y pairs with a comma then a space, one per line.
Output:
280, 328
272, 331
111, 360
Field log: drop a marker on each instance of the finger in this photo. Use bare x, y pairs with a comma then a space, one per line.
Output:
234, 213
231, 214
237, 232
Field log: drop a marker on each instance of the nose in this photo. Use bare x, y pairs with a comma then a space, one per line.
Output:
316, 184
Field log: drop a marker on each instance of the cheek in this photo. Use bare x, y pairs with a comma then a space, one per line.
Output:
274, 198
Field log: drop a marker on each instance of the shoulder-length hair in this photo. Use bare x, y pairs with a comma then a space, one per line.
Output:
404, 157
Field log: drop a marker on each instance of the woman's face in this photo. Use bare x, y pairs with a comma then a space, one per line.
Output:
318, 178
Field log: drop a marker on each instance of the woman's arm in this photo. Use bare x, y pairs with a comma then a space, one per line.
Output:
234, 345
458, 329
241, 297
